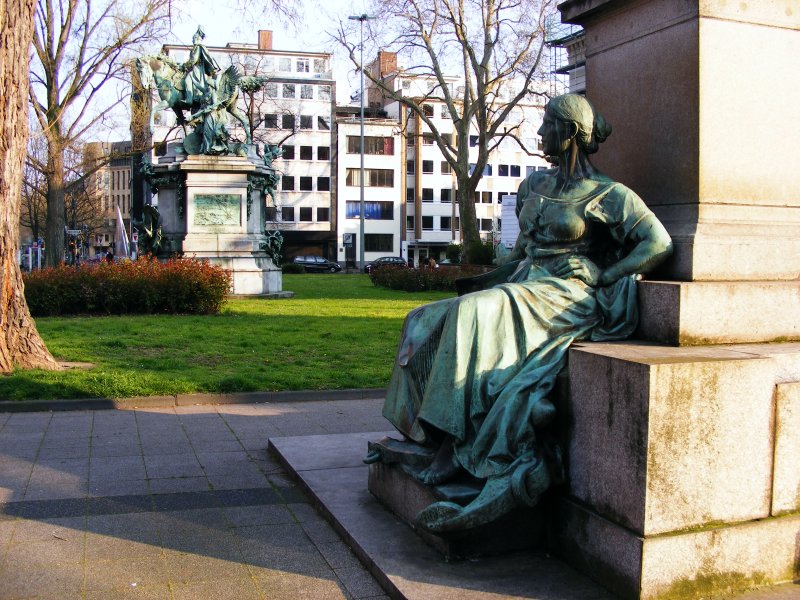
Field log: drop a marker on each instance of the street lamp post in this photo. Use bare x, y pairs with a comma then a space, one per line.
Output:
361, 19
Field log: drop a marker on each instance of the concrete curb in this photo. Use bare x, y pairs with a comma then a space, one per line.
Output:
188, 400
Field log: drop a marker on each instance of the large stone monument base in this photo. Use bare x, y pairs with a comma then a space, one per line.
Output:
212, 209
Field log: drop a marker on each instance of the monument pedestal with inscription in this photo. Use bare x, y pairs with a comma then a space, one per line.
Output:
212, 208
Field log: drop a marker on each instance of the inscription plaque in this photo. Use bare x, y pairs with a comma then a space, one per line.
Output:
217, 209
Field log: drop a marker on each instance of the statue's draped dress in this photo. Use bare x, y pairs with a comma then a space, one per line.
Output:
480, 367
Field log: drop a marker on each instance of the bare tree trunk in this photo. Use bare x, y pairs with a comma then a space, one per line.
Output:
20, 343
54, 226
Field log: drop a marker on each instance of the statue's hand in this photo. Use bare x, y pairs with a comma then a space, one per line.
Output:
581, 268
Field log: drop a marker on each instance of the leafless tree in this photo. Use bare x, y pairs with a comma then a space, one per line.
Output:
20, 343
81, 49
494, 47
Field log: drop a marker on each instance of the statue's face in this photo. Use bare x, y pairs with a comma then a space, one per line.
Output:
553, 132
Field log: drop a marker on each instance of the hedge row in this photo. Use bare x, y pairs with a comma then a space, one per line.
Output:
146, 285
442, 279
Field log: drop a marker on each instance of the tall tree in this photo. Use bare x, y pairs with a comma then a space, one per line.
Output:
20, 343
81, 47
495, 47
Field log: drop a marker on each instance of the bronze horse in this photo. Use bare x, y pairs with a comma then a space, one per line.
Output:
167, 77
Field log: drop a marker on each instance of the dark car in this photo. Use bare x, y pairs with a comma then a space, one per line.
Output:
386, 261
317, 264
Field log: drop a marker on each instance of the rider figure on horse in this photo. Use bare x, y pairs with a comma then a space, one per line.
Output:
201, 74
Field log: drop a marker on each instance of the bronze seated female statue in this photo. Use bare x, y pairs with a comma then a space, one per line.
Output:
473, 374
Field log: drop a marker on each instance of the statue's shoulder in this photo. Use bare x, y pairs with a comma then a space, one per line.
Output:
535, 183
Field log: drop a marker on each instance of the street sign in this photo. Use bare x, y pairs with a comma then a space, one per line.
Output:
73, 231
135, 236
348, 239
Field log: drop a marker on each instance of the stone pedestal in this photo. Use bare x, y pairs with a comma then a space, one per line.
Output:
682, 462
678, 456
210, 210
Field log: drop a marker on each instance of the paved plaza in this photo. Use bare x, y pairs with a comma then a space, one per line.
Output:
174, 503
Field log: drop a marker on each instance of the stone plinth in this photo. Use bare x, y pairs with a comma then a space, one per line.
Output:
211, 211
682, 467
718, 312
700, 94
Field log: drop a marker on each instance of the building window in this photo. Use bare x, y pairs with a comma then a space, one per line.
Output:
410, 167
427, 194
306, 122
446, 169
287, 183
306, 92
485, 224
372, 145
378, 242
287, 122
473, 141
306, 213
306, 152
446, 195
411, 140
410, 195
427, 139
515, 171
306, 184
323, 184
410, 222
324, 123
427, 223
323, 152
320, 66
445, 114
323, 214
486, 197
502, 170
427, 110
456, 224
285, 65
287, 214
406, 84
445, 223
271, 213
288, 90
271, 90
271, 121
372, 177
302, 65
324, 93
427, 166
373, 210
288, 152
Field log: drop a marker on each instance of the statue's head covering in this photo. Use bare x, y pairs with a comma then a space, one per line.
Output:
200, 33
593, 129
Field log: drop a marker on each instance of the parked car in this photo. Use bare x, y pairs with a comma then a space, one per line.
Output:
317, 264
386, 261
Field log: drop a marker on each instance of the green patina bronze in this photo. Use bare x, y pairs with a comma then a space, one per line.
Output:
208, 93
473, 373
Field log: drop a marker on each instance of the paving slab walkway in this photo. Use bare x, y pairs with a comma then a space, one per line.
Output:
177, 502
173, 503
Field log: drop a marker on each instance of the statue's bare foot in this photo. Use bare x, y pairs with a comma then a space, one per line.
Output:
443, 467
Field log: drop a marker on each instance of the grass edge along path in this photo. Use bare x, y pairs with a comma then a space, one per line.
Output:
338, 332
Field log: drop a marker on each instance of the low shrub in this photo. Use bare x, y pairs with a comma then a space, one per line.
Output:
186, 286
420, 280
292, 268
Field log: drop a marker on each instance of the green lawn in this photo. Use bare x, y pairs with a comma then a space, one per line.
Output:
339, 331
